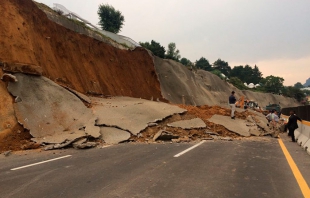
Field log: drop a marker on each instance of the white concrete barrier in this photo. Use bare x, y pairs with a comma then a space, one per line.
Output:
302, 134
304, 130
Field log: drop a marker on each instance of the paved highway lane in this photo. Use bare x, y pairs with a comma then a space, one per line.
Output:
214, 169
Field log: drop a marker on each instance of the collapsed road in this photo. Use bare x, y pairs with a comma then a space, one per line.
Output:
58, 117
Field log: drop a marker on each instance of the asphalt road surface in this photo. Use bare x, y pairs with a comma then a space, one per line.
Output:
256, 167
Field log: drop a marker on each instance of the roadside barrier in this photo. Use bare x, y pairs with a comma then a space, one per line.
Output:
302, 134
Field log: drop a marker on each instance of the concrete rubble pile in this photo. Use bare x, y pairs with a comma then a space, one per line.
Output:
57, 117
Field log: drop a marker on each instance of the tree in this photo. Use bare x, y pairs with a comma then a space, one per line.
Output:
110, 19
172, 52
237, 71
185, 62
222, 66
273, 84
155, 48
257, 75
237, 83
298, 85
218, 73
204, 64
293, 92
247, 74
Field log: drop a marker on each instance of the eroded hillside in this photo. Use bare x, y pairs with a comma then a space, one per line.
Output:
34, 110
80, 62
179, 85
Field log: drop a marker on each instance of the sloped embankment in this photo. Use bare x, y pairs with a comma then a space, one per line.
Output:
179, 85
80, 62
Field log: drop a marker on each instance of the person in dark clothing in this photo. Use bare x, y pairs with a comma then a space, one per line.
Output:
232, 103
292, 124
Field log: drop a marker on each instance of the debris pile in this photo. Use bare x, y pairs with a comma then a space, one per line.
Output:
217, 126
58, 117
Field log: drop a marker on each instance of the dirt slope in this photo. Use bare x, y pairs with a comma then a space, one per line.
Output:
180, 85
83, 63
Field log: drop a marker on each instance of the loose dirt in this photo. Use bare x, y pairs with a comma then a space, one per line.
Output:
204, 112
15, 139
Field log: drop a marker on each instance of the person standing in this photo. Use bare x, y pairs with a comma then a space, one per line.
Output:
292, 124
274, 123
232, 103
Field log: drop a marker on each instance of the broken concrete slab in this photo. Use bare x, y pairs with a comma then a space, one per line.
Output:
22, 68
151, 124
215, 137
59, 145
50, 112
113, 135
262, 123
91, 129
164, 135
86, 145
195, 123
212, 133
131, 114
80, 141
157, 135
237, 126
250, 119
79, 95
254, 131
8, 78
83, 144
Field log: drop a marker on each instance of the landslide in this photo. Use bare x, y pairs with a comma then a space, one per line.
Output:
180, 85
68, 58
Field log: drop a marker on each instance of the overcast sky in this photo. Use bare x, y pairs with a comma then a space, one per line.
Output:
273, 34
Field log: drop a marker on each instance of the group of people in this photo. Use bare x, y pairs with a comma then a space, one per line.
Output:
273, 117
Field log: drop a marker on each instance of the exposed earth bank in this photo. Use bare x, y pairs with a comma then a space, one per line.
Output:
75, 60
96, 68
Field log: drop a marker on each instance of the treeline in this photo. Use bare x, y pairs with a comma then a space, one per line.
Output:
237, 75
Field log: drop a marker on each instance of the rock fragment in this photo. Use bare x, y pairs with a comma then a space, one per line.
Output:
212, 133
8, 78
7, 153
164, 135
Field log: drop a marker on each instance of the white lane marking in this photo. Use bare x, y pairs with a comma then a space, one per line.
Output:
41, 162
190, 148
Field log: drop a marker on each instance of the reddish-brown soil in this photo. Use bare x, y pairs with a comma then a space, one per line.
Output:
80, 62
204, 112
15, 139
71, 59
84, 64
